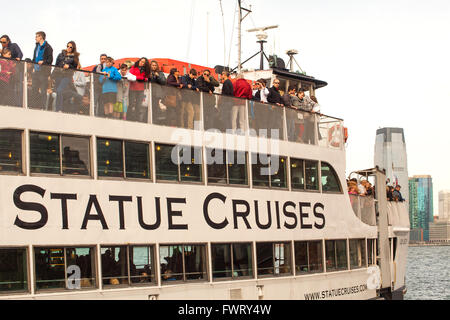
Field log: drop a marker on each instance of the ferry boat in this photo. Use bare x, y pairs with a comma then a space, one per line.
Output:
150, 208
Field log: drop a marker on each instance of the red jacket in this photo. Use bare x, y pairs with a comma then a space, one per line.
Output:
7, 66
138, 85
242, 89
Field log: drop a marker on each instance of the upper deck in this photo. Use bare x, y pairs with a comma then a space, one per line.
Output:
76, 92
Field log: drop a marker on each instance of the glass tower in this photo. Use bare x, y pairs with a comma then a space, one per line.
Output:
421, 204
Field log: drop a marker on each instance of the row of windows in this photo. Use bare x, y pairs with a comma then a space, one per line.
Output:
122, 266
71, 156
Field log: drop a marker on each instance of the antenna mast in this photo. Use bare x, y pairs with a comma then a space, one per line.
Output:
241, 18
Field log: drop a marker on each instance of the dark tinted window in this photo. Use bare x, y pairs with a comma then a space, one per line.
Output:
297, 175
50, 270
109, 158
44, 153
13, 270
75, 155
237, 167
216, 164
312, 175
137, 160
278, 170
330, 180
166, 164
11, 151
190, 164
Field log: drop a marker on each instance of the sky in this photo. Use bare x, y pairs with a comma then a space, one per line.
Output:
386, 62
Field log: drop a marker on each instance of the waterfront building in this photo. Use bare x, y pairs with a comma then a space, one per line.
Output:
390, 154
440, 231
444, 205
421, 206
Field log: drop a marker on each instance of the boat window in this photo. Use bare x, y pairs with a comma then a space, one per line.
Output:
278, 170
216, 165
50, 270
269, 171
336, 255
312, 175
237, 167
84, 259
297, 174
137, 160
44, 153
109, 158
221, 261
166, 165
75, 156
190, 164
226, 167
231, 260
13, 270
357, 253
330, 180
308, 257
11, 151
182, 263
260, 170
142, 267
273, 258
114, 265
195, 262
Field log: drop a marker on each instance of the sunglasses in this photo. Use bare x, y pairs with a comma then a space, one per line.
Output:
69, 47
3, 41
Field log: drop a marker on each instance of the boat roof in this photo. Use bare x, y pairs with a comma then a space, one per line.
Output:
298, 76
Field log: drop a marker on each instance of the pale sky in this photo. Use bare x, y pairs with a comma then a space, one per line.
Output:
386, 61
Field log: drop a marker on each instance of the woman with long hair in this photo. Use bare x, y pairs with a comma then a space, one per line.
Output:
141, 70
67, 59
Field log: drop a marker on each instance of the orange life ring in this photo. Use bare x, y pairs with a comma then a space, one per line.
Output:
334, 136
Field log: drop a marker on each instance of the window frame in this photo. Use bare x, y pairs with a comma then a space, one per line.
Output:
64, 248
319, 189
274, 259
308, 242
227, 168
335, 256
179, 180
336, 176
184, 279
90, 166
23, 151
28, 271
232, 278
269, 177
130, 284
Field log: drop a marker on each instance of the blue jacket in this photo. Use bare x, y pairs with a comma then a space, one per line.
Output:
110, 84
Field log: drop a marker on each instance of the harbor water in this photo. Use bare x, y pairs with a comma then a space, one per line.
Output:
428, 273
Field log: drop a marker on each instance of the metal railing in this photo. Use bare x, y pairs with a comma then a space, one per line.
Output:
27, 85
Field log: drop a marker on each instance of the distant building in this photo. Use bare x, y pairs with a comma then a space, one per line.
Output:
421, 205
444, 206
390, 154
440, 231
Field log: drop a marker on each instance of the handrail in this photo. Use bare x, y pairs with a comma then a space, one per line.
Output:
319, 126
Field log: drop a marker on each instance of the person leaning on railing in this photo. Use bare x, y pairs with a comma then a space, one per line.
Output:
42, 59
7, 71
141, 70
67, 59
16, 53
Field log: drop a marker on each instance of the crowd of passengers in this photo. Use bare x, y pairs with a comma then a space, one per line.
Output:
364, 188
125, 99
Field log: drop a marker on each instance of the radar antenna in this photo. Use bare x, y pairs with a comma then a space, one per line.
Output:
291, 53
